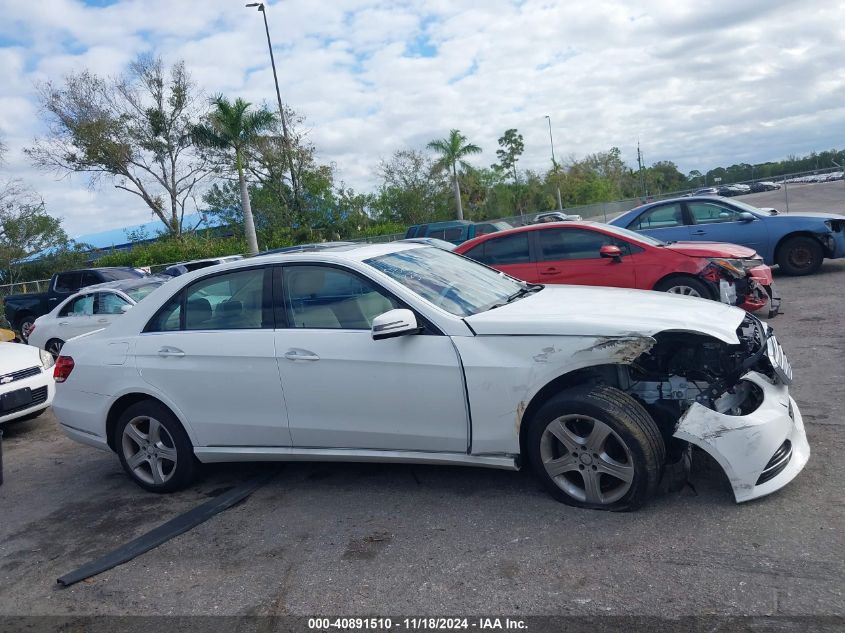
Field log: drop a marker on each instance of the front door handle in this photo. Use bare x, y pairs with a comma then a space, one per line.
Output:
63, 323
699, 232
102, 320
171, 351
550, 271
301, 354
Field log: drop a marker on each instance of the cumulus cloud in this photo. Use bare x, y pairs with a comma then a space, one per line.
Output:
701, 84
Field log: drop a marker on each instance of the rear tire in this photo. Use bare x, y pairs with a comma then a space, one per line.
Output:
153, 448
800, 255
25, 327
687, 286
596, 447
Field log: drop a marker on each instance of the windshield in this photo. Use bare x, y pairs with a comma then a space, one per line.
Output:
451, 282
139, 292
632, 235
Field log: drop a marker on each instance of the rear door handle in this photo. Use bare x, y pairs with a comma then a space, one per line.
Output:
171, 351
102, 320
550, 271
301, 354
699, 232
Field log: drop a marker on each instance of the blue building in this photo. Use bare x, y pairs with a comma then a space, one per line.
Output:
104, 242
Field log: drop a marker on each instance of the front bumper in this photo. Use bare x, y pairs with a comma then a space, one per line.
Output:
43, 389
746, 446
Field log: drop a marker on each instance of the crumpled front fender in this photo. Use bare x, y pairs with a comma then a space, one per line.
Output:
744, 445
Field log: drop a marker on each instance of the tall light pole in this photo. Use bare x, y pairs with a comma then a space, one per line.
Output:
293, 179
554, 164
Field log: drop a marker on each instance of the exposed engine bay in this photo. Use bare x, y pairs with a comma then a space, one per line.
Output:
682, 369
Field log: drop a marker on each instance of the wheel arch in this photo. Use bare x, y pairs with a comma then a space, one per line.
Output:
583, 376
676, 275
125, 401
800, 233
21, 315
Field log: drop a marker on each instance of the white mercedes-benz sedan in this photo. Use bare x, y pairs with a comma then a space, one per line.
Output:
404, 352
26, 382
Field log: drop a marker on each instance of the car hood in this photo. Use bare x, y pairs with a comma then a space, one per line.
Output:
712, 249
820, 215
17, 356
588, 311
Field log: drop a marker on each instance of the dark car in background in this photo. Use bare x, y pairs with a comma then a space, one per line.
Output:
797, 242
23, 309
455, 231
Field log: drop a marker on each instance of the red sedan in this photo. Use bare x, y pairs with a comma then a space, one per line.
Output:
593, 254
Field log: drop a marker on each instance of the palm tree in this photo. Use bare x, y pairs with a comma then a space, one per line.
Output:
452, 150
231, 127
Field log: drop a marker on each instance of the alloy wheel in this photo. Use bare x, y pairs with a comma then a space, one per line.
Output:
587, 459
149, 450
54, 347
684, 290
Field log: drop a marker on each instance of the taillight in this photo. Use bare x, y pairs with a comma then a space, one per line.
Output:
62, 369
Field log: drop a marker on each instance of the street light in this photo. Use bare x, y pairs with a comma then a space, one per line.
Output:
260, 6
554, 164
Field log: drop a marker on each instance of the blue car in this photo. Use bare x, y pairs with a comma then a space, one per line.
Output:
797, 242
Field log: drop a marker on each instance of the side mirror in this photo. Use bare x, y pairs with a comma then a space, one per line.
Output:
746, 216
611, 251
393, 323
126, 307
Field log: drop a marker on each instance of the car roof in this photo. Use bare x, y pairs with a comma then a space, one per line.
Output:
307, 248
541, 226
222, 259
126, 284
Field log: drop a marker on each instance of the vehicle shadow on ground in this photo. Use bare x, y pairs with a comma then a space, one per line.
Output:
458, 484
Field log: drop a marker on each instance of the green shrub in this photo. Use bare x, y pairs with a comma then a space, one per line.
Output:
169, 251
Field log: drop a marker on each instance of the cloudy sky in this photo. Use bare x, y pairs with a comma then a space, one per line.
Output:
699, 83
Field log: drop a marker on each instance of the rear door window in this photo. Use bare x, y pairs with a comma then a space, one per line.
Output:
502, 251
239, 300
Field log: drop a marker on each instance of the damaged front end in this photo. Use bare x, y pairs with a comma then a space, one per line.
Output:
731, 400
746, 283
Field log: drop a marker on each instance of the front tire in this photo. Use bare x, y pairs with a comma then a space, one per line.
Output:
800, 255
596, 447
153, 448
687, 286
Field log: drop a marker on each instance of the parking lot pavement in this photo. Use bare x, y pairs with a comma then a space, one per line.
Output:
827, 197
380, 539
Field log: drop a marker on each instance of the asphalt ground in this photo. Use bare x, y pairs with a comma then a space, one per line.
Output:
353, 539
828, 197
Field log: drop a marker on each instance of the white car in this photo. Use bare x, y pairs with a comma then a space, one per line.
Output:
26, 381
90, 309
408, 353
